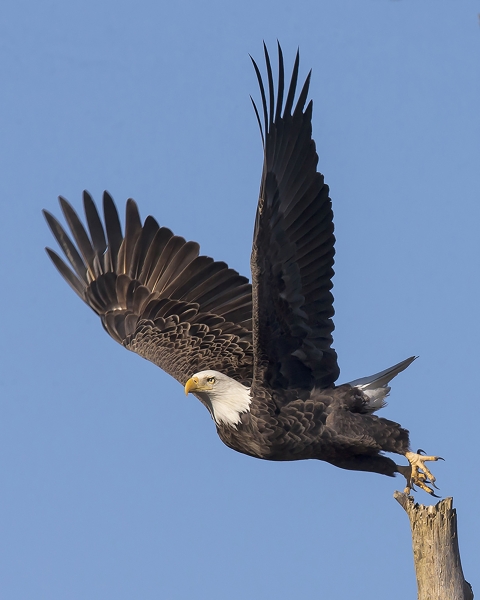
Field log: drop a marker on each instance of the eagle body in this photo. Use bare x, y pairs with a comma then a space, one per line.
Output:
257, 354
335, 425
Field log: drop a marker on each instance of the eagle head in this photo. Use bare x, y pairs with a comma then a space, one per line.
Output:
205, 381
228, 398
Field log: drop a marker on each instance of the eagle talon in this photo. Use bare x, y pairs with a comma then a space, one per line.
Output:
417, 473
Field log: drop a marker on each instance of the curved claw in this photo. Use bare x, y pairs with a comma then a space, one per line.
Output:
433, 483
420, 451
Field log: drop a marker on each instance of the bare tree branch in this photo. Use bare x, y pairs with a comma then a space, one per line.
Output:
435, 550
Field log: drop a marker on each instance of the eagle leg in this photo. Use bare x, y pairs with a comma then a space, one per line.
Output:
417, 473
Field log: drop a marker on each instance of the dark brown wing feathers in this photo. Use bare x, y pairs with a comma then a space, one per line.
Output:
293, 249
155, 294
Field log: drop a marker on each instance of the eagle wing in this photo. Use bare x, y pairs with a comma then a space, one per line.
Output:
154, 293
293, 248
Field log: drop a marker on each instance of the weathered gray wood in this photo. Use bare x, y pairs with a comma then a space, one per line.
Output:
435, 550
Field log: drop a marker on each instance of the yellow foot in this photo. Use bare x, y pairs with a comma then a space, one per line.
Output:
417, 473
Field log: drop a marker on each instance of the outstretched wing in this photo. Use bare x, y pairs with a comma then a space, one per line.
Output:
293, 247
153, 292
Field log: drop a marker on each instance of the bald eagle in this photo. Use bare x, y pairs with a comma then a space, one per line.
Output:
259, 356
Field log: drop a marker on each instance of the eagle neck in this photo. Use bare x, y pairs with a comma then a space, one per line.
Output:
229, 402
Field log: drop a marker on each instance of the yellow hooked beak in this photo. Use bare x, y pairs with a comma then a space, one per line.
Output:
191, 385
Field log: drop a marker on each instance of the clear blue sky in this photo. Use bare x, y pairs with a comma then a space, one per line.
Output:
113, 483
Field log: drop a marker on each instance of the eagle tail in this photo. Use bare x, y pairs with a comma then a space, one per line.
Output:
376, 386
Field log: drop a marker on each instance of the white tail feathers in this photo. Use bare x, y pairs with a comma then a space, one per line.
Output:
376, 398
376, 386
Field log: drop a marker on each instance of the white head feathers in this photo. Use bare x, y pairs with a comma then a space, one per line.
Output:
228, 398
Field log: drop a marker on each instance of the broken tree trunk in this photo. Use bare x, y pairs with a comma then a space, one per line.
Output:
435, 550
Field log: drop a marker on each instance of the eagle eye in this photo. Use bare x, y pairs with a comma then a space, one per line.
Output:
210, 379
